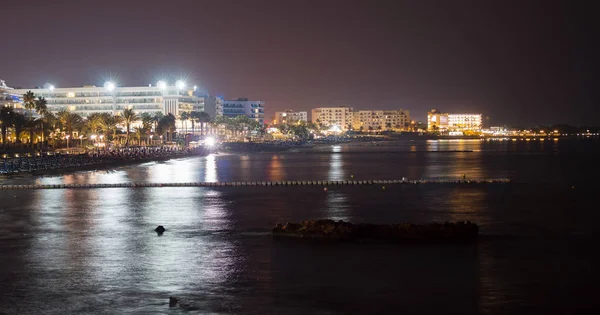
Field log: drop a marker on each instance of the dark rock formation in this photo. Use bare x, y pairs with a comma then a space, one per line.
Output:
176, 302
340, 230
160, 229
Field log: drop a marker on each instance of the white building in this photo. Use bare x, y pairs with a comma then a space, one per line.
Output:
242, 106
368, 120
289, 116
114, 99
453, 122
465, 121
333, 117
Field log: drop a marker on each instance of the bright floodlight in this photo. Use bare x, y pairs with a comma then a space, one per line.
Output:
180, 84
210, 141
109, 86
51, 87
161, 84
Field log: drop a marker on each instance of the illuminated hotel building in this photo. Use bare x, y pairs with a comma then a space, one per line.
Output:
366, 120
333, 116
244, 107
453, 122
113, 99
289, 116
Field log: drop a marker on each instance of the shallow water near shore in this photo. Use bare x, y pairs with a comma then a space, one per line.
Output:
95, 250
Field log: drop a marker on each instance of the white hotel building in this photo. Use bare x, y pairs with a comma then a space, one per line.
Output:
114, 99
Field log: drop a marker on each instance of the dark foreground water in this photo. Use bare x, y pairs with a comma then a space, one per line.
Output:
95, 251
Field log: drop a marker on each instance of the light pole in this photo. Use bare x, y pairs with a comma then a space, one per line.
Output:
151, 136
81, 141
67, 136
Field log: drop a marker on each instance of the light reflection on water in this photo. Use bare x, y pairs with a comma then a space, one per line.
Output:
97, 247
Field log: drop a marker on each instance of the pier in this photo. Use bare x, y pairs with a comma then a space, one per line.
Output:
268, 183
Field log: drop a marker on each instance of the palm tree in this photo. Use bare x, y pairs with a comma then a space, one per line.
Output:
6, 121
109, 123
69, 122
129, 116
184, 116
166, 125
203, 118
94, 122
29, 102
156, 118
42, 109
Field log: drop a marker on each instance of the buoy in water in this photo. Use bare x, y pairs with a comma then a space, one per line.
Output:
160, 229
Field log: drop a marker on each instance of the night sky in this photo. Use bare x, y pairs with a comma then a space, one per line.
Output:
520, 62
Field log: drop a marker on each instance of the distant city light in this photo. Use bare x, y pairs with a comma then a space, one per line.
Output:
109, 86
161, 85
180, 84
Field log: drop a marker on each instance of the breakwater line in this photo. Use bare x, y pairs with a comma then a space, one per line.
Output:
266, 183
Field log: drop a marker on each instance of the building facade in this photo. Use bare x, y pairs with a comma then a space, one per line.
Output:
333, 117
437, 121
213, 105
113, 99
289, 116
370, 120
245, 107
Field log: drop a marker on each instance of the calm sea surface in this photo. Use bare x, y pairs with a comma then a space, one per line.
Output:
95, 251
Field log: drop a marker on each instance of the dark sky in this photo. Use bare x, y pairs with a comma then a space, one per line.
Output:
521, 62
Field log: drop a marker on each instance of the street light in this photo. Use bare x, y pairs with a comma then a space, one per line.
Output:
109, 86
180, 84
151, 136
67, 136
51, 88
161, 84
81, 141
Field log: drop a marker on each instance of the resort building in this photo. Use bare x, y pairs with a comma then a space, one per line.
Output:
437, 121
372, 120
114, 99
242, 106
335, 117
289, 116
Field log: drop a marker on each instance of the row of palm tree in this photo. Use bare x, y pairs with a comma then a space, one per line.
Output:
201, 118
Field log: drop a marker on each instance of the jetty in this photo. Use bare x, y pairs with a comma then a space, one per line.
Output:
324, 183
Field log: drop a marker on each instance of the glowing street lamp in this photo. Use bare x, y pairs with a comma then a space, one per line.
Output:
161, 85
109, 86
81, 141
180, 84
67, 136
51, 88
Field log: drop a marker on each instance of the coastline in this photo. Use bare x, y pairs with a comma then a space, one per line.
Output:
106, 164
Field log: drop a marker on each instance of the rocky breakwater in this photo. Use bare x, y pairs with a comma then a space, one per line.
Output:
340, 230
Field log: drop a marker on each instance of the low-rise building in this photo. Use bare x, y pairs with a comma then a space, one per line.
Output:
438, 121
288, 116
369, 120
338, 117
245, 107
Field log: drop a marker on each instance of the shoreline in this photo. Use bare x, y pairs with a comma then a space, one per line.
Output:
107, 164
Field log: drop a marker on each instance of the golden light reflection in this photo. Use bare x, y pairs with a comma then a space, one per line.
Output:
275, 170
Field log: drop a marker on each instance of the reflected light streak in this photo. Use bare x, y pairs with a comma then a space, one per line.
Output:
210, 169
336, 169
